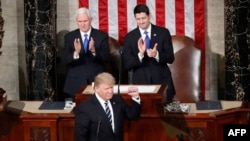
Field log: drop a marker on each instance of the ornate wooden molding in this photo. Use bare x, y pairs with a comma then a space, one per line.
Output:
40, 134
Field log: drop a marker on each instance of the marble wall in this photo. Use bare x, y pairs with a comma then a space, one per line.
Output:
13, 71
215, 48
237, 48
1, 27
12, 47
40, 47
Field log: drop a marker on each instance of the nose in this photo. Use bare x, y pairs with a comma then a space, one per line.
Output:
141, 21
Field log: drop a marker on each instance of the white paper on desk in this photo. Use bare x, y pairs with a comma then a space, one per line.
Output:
141, 88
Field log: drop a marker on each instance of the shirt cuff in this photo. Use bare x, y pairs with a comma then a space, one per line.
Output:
138, 99
140, 57
76, 56
157, 57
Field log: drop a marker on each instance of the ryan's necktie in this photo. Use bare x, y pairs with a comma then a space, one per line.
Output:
108, 112
85, 43
147, 40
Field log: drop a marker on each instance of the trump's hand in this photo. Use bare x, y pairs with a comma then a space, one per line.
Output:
133, 91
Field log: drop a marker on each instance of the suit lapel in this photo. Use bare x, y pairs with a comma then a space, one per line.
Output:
116, 108
99, 108
153, 36
93, 32
78, 35
136, 37
100, 112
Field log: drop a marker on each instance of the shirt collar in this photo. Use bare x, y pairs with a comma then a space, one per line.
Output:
100, 99
82, 33
148, 30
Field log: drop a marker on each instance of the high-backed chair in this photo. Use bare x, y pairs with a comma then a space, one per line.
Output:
186, 69
115, 65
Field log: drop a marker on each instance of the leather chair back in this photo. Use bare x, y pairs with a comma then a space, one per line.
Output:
186, 69
115, 66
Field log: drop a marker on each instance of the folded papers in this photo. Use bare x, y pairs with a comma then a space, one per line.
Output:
208, 105
55, 105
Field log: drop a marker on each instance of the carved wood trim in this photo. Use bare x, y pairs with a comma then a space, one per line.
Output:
40, 134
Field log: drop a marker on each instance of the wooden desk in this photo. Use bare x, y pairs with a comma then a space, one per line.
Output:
34, 124
149, 99
155, 125
203, 124
197, 125
149, 127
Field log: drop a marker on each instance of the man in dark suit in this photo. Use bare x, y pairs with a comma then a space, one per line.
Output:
91, 120
147, 54
84, 58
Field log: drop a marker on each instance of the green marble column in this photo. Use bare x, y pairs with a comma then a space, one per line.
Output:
40, 32
237, 49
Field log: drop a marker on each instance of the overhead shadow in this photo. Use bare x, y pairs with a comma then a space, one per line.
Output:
174, 123
9, 116
60, 67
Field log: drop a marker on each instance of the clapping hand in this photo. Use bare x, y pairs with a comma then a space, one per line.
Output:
141, 46
77, 45
91, 45
152, 52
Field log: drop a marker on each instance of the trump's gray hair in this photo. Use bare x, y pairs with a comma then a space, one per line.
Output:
104, 78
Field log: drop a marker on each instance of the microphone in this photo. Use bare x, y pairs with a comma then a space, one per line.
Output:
98, 127
120, 50
120, 70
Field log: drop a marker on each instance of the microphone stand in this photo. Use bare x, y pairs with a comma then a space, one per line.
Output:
98, 128
120, 71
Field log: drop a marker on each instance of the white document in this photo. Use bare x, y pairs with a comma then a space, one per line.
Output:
124, 89
141, 88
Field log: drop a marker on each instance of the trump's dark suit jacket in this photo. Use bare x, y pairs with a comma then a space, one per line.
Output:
90, 115
149, 71
83, 70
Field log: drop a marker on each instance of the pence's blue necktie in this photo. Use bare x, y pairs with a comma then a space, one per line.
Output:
85, 43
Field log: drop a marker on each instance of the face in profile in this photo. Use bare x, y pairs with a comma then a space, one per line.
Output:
105, 91
83, 22
142, 20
